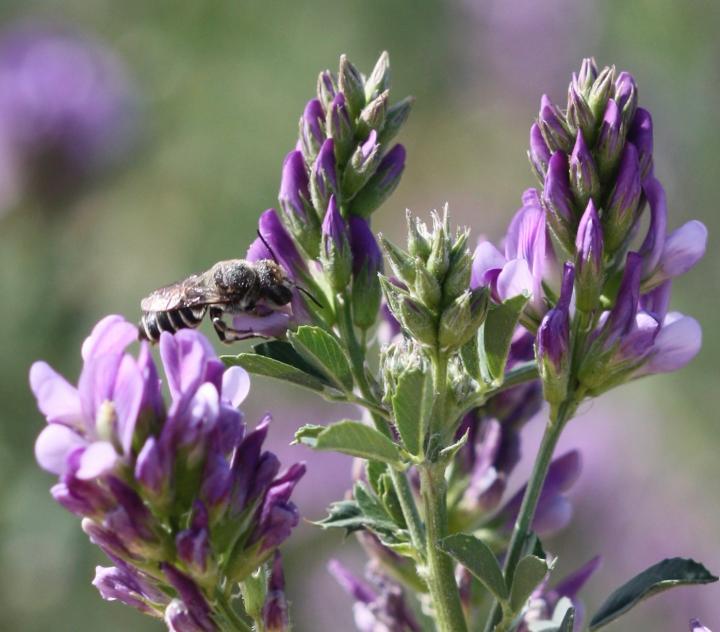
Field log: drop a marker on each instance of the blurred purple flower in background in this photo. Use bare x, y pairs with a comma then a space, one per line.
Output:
67, 112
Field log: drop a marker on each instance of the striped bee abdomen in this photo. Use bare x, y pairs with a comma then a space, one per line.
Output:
152, 324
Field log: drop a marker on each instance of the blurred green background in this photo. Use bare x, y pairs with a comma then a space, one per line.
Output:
221, 87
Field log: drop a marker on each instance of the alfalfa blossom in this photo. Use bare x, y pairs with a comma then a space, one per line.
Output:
180, 496
67, 111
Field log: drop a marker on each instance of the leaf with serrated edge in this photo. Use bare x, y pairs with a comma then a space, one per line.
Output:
676, 571
497, 332
261, 365
323, 351
477, 557
529, 573
411, 407
357, 439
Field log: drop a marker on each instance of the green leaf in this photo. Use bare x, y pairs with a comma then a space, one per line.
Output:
343, 514
284, 352
676, 571
323, 352
470, 355
497, 331
530, 571
350, 437
477, 557
373, 510
411, 404
262, 365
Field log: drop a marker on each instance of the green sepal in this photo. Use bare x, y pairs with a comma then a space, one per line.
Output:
530, 571
497, 332
412, 404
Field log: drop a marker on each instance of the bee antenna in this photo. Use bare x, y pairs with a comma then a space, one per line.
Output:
310, 296
267, 245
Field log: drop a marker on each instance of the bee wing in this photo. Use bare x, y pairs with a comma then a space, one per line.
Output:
192, 292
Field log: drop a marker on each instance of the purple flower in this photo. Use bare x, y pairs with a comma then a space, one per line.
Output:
95, 421
622, 207
383, 182
539, 152
367, 262
124, 584
589, 271
312, 130
324, 177
521, 269
640, 134
67, 109
274, 233
294, 193
553, 126
626, 95
195, 610
584, 178
558, 200
610, 139
381, 608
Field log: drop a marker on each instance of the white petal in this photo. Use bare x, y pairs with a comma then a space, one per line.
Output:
235, 385
53, 446
514, 279
677, 343
57, 399
96, 460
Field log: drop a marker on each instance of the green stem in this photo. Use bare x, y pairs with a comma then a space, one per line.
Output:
523, 523
235, 623
449, 614
399, 479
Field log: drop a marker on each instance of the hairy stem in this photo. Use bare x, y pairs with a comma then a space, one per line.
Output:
449, 614
233, 622
523, 524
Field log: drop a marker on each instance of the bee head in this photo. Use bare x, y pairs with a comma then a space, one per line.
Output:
275, 286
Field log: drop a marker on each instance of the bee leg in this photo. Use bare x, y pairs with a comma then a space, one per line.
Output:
227, 334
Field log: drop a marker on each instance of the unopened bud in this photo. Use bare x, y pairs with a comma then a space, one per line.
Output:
312, 130
584, 178
323, 176
418, 237
626, 96
462, 318
403, 265
335, 255
326, 88
621, 211
367, 263
558, 200
340, 128
395, 118
419, 321
589, 260
610, 140
427, 288
362, 165
539, 153
601, 91
294, 197
381, 184
350, 83
587, 75
579, 114
373, 114
553, 126
379, 79
641, 135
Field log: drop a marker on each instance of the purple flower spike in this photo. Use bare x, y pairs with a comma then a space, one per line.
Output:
312, 129
589, 260
558, 200
622, 207
641, 135
539, 152
294, 193
275, 609
696, 626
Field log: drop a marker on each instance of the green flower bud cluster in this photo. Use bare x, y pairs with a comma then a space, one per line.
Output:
435, 306
397, 359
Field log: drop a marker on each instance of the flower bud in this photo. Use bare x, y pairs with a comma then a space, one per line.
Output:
340, 128
362, 166
610, 140
558, 201
579, 115
351, 85
294, 198
600, 92
589, 260
462, 318
402, 264
427, 288
553, 126
152, 470
379, 79
418, 321
418, 237
458, 277
326, 88
552, 346
373, 114
335, 254
539, 154
193, 544
274, 233
275, 610
587, 75
584, 178
626, 96
622, 206
395, 118
641, 135
312, 130
381, 184
323, 176
367, 262
438, 261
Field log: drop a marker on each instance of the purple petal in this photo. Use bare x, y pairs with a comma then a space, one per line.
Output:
235, 385
487, 263
115, 584
652, 247
127, 397
273, 325
358, 589
683, 248
515, 279
96, 385
677, 343
571, 585
111, 335
54, 445
57, 399
552, 515
98, 458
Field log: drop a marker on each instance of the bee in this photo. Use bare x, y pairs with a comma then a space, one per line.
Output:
234, 286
